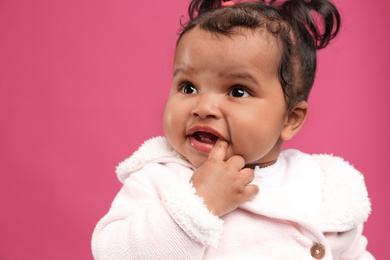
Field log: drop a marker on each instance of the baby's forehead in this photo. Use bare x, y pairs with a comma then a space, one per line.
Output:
244, 46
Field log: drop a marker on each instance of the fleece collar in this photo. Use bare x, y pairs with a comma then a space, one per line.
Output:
156, 149
320, 189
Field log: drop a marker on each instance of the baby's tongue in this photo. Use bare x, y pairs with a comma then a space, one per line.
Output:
207, 138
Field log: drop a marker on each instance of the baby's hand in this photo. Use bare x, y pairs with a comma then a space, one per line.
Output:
223, 185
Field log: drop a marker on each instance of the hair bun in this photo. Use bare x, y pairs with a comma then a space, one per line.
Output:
319, 17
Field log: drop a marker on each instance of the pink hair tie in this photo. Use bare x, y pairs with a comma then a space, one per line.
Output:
228, 3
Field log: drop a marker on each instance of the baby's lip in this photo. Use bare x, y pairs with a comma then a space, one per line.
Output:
205, 129
203, 138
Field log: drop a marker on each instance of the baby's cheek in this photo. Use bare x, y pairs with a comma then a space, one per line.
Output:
249, 148
170, 125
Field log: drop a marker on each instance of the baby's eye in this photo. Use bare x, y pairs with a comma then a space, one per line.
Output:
239, 92
188, 88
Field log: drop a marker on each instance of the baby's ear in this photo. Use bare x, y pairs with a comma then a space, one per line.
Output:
295, 121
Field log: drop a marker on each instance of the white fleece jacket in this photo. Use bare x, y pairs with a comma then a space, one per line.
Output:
309, 207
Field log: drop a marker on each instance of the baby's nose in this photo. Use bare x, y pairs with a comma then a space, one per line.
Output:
207, 106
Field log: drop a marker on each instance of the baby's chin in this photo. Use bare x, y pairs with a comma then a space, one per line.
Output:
197, 162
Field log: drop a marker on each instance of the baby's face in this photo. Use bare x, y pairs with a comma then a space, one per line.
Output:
228, 88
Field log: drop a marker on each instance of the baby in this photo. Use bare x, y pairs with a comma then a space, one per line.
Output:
218, 186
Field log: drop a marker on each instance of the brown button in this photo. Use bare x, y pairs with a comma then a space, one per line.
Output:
317, 251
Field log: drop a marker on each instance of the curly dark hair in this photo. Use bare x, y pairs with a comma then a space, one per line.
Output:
301, 26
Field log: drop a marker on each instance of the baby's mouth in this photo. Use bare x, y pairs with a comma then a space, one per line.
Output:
203, 141
205, 137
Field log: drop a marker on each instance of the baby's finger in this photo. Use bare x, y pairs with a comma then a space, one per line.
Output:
219, 150
237, 161
247, 175
251, 190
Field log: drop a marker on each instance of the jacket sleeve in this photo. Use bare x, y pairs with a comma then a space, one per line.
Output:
357, 248
348, 245
146, 221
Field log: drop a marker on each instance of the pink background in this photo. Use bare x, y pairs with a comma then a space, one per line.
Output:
84, 82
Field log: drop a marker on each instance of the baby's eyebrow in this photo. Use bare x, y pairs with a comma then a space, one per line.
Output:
241, 75
229, 74
182, 70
